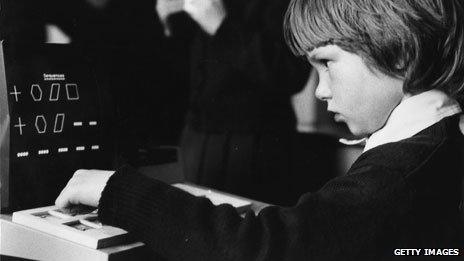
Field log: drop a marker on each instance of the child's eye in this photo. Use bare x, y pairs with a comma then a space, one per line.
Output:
324, 62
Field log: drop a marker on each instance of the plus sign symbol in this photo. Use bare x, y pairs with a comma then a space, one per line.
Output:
20, 125
15, 93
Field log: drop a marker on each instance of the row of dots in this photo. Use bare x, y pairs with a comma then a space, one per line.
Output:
60, 150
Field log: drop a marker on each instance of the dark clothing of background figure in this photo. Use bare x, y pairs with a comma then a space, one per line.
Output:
403, 194
240, 125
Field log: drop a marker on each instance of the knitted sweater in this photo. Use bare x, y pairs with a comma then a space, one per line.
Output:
402, 194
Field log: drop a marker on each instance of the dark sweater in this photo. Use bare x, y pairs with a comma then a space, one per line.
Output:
243, 76
404, 194
240, 125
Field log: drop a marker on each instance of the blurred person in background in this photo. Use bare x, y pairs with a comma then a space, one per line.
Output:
240, 134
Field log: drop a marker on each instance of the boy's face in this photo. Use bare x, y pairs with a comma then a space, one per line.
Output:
361, 97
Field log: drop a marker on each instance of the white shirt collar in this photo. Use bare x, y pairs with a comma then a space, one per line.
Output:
412, 115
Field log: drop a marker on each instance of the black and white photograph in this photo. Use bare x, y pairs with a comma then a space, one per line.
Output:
241, 130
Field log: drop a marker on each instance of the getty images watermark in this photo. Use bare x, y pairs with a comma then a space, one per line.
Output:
426, 252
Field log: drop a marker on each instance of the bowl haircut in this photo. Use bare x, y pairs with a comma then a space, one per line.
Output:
420, 41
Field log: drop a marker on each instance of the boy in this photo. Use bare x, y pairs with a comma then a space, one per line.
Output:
392, 71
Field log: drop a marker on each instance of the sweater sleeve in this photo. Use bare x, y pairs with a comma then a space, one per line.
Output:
346, 218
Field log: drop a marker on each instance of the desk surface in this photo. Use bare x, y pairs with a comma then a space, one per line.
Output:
256, 206
172, 173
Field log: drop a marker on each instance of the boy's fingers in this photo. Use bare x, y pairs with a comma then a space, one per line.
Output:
62, 200
67, 197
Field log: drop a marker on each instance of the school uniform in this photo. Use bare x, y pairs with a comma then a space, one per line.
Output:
404, 191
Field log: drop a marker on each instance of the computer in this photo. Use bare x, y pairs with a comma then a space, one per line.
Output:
56, 117
53, 116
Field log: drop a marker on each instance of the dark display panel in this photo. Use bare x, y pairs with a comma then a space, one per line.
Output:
56, 122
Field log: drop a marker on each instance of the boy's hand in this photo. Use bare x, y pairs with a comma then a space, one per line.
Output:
85, 187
